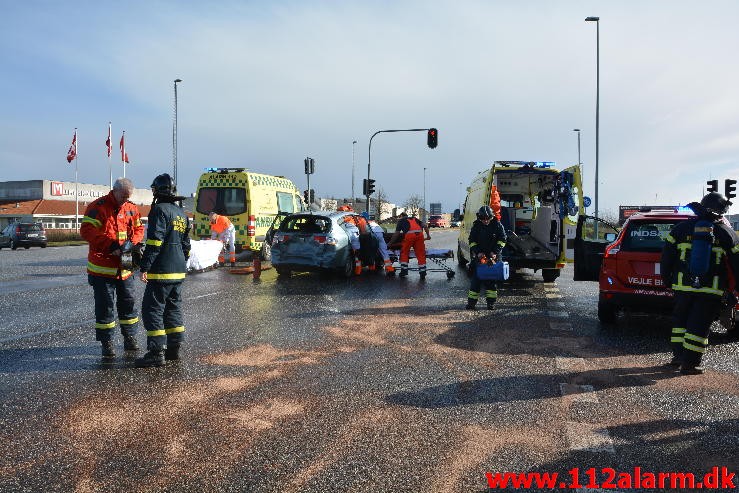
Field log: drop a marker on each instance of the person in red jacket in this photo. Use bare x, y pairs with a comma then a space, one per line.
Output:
109, 222
413, 237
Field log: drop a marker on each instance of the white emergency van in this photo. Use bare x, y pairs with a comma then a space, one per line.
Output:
250, 200
538, 207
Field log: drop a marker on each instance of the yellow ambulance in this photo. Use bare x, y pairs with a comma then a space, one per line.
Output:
538, 207
250, 200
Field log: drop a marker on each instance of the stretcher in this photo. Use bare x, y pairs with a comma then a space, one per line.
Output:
436, 259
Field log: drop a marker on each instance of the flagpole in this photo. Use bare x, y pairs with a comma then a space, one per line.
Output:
123, 153
76, 185
110, 145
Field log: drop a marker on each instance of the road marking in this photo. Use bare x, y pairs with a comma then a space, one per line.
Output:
557, 304
585, 437
564, 363
552, 295
579, 393
557, 314
560, 325
203, 296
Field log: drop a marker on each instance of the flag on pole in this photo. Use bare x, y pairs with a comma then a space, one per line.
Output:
109, 142
72, 152
124, 154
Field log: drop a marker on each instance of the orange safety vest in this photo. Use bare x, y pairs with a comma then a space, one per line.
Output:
222, 224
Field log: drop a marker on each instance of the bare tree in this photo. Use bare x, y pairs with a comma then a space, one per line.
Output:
413, 204
380, 201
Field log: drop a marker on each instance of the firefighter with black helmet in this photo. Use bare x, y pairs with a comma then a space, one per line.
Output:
163, 269
698, 258
487, 239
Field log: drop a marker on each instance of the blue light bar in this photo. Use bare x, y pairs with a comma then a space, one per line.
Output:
545, 164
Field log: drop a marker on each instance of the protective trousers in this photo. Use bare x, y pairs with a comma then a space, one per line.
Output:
413, 239
692, 317
228, 237
491, 291
108, 293
161, 310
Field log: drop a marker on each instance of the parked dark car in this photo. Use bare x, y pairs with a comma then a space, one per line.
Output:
25, 235
317, 241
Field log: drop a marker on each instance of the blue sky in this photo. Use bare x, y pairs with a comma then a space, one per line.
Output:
265, 84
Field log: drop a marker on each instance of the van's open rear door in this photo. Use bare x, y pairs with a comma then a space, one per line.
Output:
591, 239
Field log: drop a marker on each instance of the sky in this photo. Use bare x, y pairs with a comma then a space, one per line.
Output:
266, 84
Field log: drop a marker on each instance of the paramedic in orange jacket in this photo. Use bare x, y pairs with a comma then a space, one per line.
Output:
222, 229
108, 223
413, 238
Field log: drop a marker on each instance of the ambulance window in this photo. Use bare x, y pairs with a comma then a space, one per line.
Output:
227, 201
285, 202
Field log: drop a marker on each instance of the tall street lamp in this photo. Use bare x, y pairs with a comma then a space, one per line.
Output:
354, 200
423, 216
597, 107
174, 134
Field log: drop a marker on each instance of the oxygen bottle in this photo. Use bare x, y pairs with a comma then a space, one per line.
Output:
700, 250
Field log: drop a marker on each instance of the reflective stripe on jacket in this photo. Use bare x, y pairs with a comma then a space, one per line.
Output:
106, 226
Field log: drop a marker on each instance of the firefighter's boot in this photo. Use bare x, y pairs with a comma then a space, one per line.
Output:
129, 343
108, 350
389, 267
172, 352
152, 358
471, 304
491, 303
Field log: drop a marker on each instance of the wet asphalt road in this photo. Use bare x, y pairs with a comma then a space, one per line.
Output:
322, 385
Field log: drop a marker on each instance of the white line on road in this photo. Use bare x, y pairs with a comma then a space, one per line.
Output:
557, 314
203, 296
564, 363
579, 393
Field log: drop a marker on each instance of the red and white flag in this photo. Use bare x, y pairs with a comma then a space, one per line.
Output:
124, 154
109, 142
72, 152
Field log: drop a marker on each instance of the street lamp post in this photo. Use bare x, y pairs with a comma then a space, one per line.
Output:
597, 107
423, 217
174, 134
354, 200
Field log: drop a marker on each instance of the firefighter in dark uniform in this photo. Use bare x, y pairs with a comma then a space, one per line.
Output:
163, 269
487, 239
698, 294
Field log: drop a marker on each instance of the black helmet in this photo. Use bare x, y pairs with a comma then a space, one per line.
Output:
163, 186
485, 212
715, 204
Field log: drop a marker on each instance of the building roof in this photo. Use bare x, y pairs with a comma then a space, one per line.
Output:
49, 208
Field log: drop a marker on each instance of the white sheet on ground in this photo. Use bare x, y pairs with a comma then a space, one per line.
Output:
203, 254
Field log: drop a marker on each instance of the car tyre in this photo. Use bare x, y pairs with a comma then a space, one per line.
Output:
43, 245
348, 270
550, 275
266, 252
27, 247
606, 313
13, 246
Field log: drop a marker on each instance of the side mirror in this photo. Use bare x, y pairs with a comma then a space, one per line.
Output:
610, 237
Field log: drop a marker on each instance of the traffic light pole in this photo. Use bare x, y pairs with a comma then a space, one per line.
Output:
369, 160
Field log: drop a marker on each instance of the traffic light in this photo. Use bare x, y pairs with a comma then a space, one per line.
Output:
368, 186
310, 165
712, 185
432, 139
312, 196
729, 188
309, 196
306, 197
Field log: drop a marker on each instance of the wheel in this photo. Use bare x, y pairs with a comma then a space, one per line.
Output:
348, 270
460, 259
266, 252
43, 245
550, 275
606, 312
13, 246
450, 274
26, 247
283, 271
